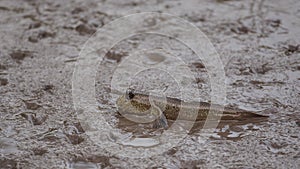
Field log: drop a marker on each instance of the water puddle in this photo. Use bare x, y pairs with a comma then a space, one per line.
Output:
82, 165
153, 58
141, 142
8, 146
89, 162
233, 132
226, 130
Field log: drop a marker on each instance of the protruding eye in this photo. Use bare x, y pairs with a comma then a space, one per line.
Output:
129, 94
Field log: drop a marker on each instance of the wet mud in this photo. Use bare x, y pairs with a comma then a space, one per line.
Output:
258, 43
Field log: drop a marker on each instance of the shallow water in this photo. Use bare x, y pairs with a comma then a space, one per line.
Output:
257, 42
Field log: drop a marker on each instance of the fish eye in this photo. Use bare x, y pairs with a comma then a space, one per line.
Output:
129, 94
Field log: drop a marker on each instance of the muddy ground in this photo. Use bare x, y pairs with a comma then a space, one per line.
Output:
258, 43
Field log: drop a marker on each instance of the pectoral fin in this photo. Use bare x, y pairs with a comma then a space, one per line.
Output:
161, 120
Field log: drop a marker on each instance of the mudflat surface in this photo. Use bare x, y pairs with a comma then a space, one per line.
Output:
258, 43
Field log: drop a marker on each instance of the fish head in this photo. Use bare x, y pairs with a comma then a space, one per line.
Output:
126, 105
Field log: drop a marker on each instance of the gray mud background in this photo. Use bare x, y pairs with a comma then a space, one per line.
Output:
258, 42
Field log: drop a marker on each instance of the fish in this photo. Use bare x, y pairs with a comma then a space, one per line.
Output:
143, 106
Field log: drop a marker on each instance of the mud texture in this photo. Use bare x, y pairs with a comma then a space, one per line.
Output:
258, 42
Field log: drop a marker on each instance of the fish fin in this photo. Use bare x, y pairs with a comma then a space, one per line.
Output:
161, 120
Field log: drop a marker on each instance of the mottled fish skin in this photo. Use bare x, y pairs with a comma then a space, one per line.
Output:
139, 104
